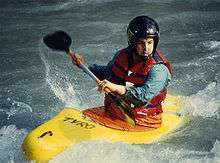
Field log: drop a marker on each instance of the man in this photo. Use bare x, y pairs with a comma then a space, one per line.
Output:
139, 73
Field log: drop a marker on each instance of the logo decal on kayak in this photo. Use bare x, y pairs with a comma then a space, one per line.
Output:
79, 123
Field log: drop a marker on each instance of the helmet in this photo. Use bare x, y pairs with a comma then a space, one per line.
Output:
143, 27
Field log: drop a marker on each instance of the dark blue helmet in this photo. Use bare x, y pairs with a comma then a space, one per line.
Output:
143, 27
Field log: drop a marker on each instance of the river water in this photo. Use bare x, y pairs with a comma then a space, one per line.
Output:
36, 83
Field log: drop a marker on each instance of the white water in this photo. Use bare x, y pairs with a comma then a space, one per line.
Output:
10, 140
99, 151
206, 103
35, 83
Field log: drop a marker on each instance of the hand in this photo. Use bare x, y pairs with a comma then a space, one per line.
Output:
77, 59
107, 86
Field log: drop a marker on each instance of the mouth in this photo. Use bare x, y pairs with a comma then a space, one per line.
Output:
145, 53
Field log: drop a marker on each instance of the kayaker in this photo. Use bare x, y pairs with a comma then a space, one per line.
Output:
139, 73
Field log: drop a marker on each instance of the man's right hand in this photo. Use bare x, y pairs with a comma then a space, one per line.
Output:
77, 59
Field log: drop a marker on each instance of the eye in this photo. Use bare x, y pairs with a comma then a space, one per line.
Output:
141, 42
150, 42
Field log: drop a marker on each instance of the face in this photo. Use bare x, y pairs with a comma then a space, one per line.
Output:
144, 46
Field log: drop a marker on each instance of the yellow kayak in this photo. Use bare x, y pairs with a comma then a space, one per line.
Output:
69, 127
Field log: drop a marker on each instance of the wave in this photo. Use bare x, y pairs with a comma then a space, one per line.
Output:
212, 49
205, 103
124, 153
18, 108
46, 7
213, 45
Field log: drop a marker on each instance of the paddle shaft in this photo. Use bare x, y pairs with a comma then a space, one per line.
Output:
84, 68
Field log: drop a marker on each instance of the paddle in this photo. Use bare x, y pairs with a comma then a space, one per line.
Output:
60, 40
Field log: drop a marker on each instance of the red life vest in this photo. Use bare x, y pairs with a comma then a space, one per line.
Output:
138, 75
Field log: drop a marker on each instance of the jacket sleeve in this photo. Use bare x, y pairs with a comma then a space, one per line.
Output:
158, 79
103, 71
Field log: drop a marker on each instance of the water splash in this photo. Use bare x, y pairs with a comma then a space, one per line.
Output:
59, 81
216, 150
10, 140
212, 45
205, 103
17, 107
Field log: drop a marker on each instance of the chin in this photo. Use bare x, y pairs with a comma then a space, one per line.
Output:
144, 55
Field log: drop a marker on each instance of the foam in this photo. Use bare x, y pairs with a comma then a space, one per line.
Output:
18, 107
205, 103
213, 45
10, 139
101, 151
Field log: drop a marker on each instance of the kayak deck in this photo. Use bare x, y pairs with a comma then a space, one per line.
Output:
69, 127
104, 118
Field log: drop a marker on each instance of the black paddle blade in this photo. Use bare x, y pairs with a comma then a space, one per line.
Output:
58, 40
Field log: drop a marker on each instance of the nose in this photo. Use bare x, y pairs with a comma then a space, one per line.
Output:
145, 46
